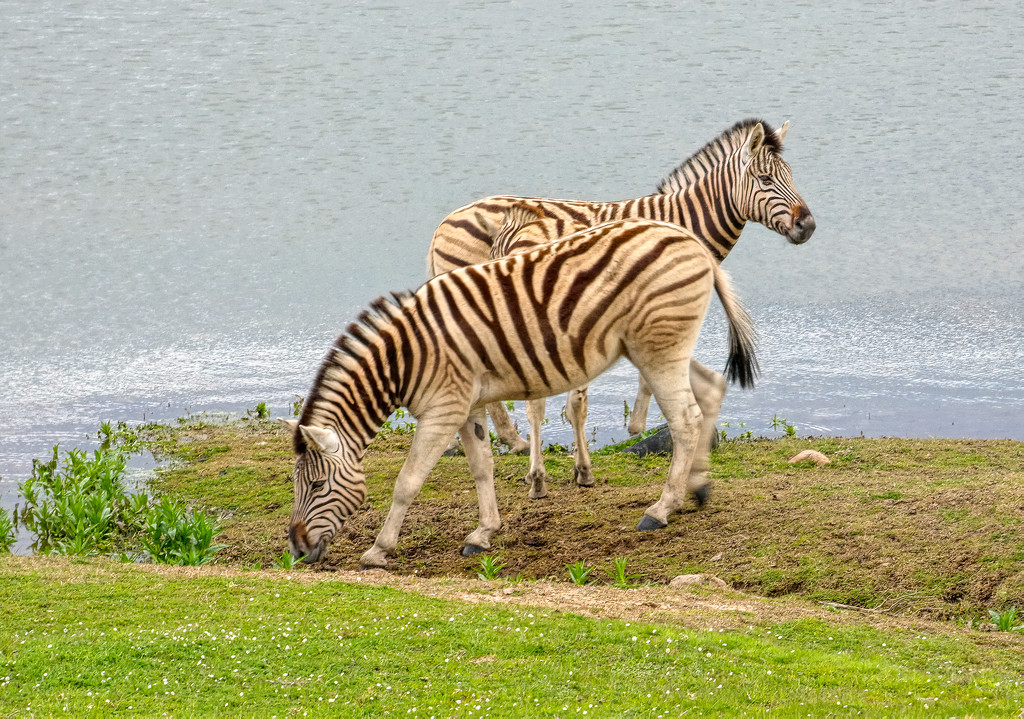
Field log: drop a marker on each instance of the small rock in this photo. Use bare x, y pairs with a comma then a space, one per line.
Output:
814, 456
717, 557
658, 443
686, 580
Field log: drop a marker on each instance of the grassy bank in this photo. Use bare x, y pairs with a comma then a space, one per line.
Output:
96, 637
932, 527
856, 588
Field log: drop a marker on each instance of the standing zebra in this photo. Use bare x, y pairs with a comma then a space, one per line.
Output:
738, 177
525, 326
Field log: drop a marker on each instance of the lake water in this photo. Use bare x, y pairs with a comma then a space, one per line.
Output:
195, 198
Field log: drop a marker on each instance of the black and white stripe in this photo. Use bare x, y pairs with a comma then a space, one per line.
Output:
737, 177
522, 327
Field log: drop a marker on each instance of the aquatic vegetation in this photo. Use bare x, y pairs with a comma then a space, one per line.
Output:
6, 531
78, 504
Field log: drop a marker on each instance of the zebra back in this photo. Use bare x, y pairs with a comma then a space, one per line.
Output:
713, 193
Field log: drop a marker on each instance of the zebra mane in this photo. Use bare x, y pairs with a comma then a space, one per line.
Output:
715, 151
350, 344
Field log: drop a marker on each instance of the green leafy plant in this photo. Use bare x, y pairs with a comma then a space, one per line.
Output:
78, 504
746, 435
579, 572
6, 531
780, 424
175, 535
1004, 620
297, 405
620, 578
489, 567
260, 412
510, 405
393, 424
287, 561
120, 437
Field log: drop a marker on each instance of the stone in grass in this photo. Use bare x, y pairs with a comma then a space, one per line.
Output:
689, 580
810, 455
660, 442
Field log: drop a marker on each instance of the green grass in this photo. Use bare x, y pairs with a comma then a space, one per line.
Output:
91, 637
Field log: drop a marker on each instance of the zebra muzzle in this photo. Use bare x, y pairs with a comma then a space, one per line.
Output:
301, 546
803, 225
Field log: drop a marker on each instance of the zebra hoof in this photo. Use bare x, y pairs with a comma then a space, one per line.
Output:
584, 478
470, 549
702, 495
649, 523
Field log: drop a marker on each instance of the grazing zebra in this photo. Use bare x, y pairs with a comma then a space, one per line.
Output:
738, 177
525, 326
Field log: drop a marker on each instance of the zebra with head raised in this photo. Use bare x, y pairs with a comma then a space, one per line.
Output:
522, 327
738, 177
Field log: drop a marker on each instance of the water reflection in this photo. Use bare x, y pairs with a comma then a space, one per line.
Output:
198, 198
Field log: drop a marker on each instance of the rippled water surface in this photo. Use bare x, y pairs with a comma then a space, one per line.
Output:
196, 198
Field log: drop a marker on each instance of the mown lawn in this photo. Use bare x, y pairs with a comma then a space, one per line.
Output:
95, 637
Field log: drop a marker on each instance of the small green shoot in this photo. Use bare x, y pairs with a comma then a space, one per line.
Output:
489, 568
620, 579
261, 411
287, 561
780, 424
1004, 620
580, 573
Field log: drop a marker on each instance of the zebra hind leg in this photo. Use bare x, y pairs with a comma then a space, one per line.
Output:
537, 476
671, 386
505, 429
638, 415
709, 389
576, 411
481, 466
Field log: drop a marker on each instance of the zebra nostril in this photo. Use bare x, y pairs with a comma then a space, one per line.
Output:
298, 538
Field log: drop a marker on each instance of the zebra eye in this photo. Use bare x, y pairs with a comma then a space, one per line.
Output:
317, 484
766, 180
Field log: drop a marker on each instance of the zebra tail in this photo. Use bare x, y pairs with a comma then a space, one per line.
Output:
741, 367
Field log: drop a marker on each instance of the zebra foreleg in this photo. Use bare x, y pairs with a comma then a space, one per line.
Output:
576, 411
428, 444
537, 476
505, 429
481, 466
676, 399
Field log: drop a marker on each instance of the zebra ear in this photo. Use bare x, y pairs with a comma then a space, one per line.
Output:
291, 424
324, 441
489, 227
780, 134
752, 145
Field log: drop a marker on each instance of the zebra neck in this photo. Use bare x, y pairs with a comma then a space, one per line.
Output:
706, 207
354, 395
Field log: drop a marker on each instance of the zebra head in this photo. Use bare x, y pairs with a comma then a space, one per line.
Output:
328, 488
765, 191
